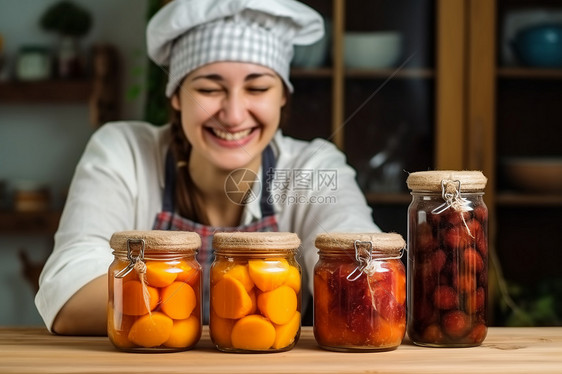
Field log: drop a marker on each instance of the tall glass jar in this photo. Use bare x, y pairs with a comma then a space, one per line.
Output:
359, 291
255, 292
154, 291
447, 258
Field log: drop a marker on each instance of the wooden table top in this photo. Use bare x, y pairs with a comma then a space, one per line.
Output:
505, 350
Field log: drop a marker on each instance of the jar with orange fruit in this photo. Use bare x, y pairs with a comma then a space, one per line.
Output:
359, 291
255, 293
154, 291
447, 258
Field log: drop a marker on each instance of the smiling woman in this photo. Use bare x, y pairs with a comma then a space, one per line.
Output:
228, 84
229, 113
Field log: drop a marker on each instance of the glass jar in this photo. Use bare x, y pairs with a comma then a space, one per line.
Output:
154, 291
447, 258
255, 292
359, 291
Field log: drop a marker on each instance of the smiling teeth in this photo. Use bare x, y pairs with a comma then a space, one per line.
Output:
231, 136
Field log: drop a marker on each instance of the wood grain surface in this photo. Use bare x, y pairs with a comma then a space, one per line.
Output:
505, 350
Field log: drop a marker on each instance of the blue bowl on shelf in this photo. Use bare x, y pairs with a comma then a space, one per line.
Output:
539, 46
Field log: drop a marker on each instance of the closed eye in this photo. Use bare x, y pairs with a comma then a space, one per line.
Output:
208, 91
258, 89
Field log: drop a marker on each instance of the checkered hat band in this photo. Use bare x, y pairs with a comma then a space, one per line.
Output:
228, 42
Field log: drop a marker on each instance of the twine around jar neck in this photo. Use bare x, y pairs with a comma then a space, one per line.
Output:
367, 260
451, 193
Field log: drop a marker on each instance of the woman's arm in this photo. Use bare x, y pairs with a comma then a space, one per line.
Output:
115, 188
85, 313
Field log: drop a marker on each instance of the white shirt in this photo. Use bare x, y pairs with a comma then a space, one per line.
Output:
119, 182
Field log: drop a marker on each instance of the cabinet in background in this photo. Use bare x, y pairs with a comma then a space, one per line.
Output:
461, 108
99, 89
388, 121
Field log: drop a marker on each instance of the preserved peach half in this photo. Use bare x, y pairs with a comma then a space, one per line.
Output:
229, 299
253, 332
219, 269
186, 273
268, 274
178, 300
294, 279
159, 274
151, 330
185, 333
279, 305
253, 296
285, 334
134, 302
240, 273
221, 329
118, 329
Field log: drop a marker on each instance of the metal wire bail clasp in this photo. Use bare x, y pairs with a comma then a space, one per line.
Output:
132, 259
451, 193
363, 256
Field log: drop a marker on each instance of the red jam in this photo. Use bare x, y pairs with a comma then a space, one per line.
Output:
359, 302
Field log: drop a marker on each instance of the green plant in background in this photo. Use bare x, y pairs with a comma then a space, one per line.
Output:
138, 75
151, 81
157, 107
539, 305
67, 18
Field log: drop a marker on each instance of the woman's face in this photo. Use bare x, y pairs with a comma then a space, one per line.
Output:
230, 112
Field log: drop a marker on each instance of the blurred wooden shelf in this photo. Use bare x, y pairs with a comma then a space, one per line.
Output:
29, 223
527, 199
406, 73
529, 73
47, 91
327, 72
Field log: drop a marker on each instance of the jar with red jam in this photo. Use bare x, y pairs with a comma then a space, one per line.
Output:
359, 291
154, 291
255, 292
447, 258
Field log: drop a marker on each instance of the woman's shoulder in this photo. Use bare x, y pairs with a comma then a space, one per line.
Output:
128, 140
305, 152
134, 134
131, 130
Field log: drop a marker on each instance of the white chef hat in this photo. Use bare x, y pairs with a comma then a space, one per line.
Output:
187, 34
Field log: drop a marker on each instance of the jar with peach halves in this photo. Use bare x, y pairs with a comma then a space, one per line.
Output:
255, 292
154, 291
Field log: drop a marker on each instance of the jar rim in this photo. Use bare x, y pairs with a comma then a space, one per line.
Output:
157, 240
262, 241
384, 242
470, 180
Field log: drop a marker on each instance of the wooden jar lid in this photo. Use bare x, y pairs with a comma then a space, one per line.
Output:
470, 180
262, 241
157, 240
381, 241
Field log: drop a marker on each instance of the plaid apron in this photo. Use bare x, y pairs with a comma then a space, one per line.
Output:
168, 219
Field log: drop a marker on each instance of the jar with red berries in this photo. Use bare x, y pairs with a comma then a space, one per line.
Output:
359, 291
447, 258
